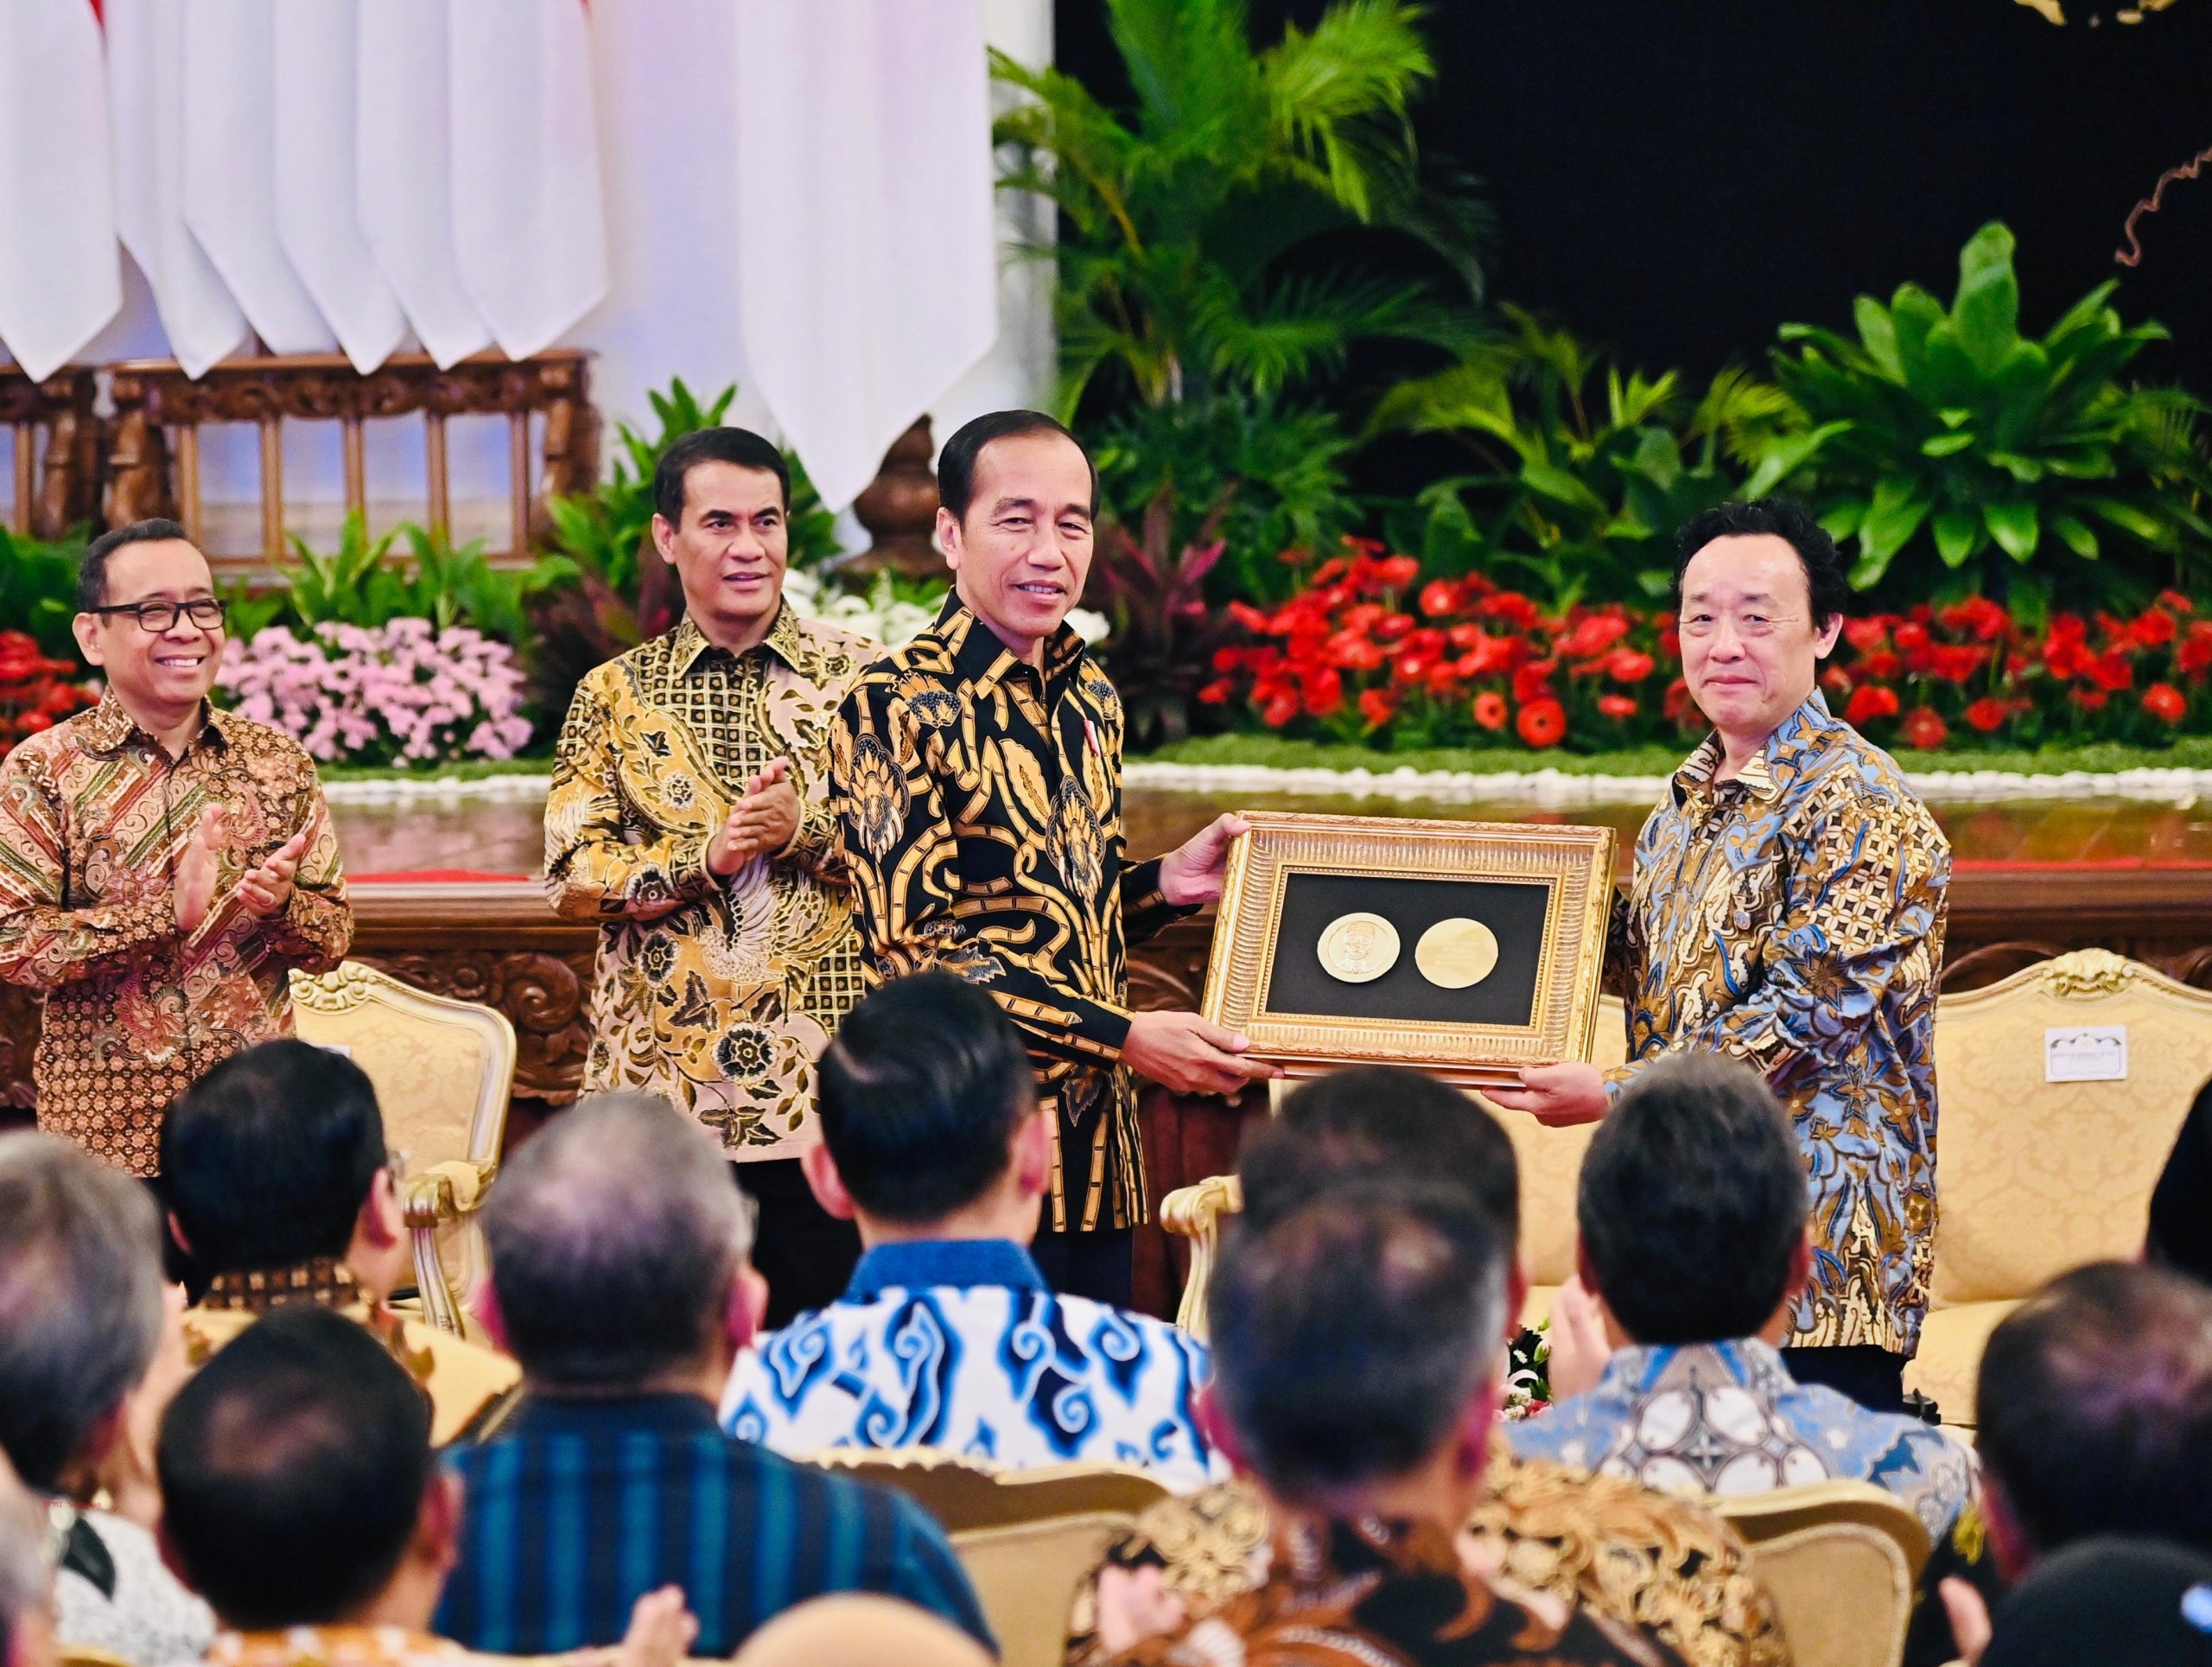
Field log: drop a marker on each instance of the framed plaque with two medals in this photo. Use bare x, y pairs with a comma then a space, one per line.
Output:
1468, 949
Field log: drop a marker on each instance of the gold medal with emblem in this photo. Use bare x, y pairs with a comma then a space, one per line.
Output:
1357, 948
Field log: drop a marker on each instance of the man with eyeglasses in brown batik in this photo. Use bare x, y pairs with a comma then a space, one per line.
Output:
163, 865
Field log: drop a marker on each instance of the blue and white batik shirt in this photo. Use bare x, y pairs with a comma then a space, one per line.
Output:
961, 1345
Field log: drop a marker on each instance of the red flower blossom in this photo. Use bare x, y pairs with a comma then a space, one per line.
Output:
1397, 571
1280, 707
2090, 700
1977, 616
2174, 601
1867, 635
1489, 710
2165, 702
1323, 691
1988, 715
1394, 625
1910, 637
1542, 723
1616, 706
1377, 706
1216, 693
1592, 635
1870, 701
1250, 618
1533, 681
1439, 597
1676, 702
1924, 729
2111, 672
1514, 609
1955, 662
2153, 628
1630, 665
1880, 666
2194, 654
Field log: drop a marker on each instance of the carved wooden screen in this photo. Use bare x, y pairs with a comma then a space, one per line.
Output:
55, 442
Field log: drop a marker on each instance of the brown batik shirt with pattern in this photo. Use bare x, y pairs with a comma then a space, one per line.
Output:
982, 802
718, 994
1375, 1593
1614, 1547
94, 815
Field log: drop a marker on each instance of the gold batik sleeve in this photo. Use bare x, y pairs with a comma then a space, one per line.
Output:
315, 928
593, 871
906, 883
42, 942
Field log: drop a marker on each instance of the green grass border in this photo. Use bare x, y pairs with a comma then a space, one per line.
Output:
1282, 752
473, 769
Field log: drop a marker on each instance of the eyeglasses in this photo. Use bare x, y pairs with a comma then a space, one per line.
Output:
154, 618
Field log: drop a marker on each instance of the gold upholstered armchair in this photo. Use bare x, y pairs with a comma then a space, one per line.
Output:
2036, 1177
443, 1070
1550, 1161
1843, 1560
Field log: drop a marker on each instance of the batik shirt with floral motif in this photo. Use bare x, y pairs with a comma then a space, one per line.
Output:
1793, 917
1724, 1419
94, 815
719, 995
962, 1344
981, 801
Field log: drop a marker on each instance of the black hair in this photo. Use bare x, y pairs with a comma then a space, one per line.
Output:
616, 1235
91, 569
1383, 1120
2140, 1595
1825, 587
920, 1090
956, 462
2093, 1407
293, 1467
1351, 1333
1692, 1202
2179, 1233
267, 1159
746, 450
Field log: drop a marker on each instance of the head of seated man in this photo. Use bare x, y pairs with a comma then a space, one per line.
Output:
933, 1142
27, 1631
621, 1279
2093, 1407
1359, 1352
88, 1347
1692, 1209
275, 1170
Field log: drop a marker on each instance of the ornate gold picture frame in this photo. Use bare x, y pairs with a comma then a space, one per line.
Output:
1466, 949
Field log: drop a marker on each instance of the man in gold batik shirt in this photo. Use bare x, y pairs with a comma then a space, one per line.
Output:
689, 816
979, 776
163, 866
1787, 908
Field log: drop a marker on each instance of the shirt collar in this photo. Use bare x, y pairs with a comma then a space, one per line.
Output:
109, 725
938, 1263
654, 1413
783, 639
984, 660
1767, 771
325, 1282
1745, 1361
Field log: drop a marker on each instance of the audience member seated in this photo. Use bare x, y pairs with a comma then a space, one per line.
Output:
1359, 1348
2113, 1602
26, 1580
620, 1279
82, 1314
281, 1192
853, 1631
302, 1498
2179, 1233
1616, 1547
2093, 1407
948, 1335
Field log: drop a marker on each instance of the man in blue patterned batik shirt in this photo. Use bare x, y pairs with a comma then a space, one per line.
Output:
1787, 908
948, 1336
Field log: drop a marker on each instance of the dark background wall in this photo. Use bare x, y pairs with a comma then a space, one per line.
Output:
1675, 178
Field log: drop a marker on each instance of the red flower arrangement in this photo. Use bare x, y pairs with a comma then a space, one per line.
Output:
1367, 652
36, 692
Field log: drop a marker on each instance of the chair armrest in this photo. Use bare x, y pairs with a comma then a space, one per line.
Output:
1195, 1214
445, 1191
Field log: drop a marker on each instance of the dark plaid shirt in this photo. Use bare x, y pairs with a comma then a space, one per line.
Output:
577, 1509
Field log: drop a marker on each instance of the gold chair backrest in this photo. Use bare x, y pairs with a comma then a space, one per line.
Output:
1551, 1163
1027, 1537
2035, 1177
1841, 1560
443, 1070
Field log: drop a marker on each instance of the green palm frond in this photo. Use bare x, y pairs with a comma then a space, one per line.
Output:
1365, 60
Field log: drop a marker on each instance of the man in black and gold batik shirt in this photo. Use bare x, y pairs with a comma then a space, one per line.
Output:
689, 816
978, 773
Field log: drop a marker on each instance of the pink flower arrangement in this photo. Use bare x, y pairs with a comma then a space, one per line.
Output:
401, 693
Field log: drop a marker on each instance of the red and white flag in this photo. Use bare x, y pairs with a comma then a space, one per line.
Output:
403, 172
528, 227
315, 47
61, 275
229, 169
146, 120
